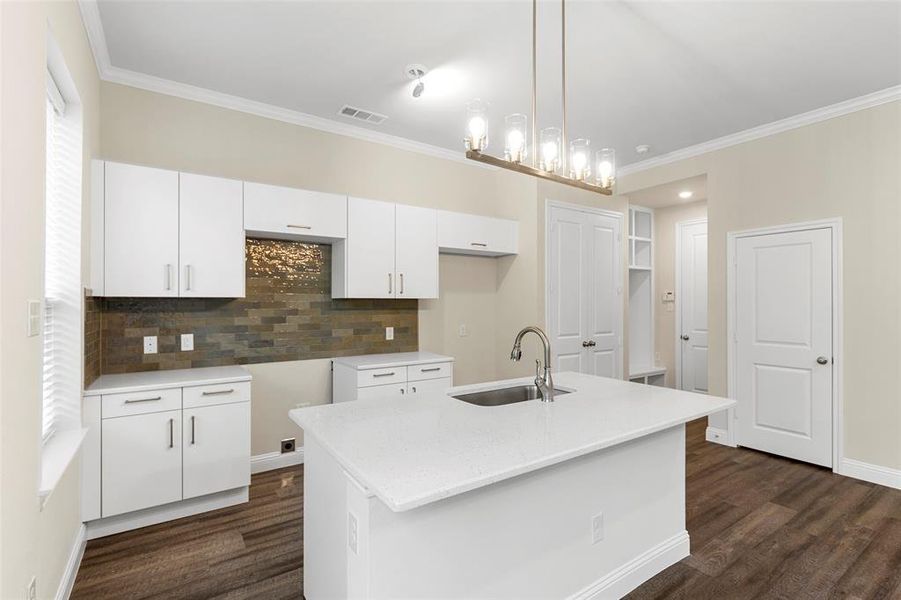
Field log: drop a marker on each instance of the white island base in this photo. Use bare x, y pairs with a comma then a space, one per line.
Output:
596, 526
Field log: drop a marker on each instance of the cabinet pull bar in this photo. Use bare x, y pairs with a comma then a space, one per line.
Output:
218, 392
172, 433
168, 277
192, 430
431, 369
298, 226
401, 283
389, 283
383, 374
478, 244
154, 399
187, 278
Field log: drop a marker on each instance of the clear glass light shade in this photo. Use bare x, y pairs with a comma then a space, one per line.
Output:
606, 167
476, 125
580, 159
515, 137
549, 151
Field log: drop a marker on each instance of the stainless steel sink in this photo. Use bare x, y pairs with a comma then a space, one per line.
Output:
502, 396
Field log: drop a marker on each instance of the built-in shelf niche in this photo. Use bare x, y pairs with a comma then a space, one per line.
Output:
641, 298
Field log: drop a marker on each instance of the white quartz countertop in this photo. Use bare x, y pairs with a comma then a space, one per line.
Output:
157, 380
413, 451
394, 359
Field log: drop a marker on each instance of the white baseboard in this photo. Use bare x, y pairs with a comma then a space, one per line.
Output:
629, 576
275, 460
870, 472
718, 436
166, 512
68, 580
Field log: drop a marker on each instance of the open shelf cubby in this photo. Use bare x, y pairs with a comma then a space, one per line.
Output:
641, 298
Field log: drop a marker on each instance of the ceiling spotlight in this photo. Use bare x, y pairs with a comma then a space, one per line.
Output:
416, 73
685, 195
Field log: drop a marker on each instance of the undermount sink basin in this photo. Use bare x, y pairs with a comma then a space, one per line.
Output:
510, 395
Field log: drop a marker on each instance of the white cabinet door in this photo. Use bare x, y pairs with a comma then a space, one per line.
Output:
287, 213
416, 252
460, 233
368, 266
216, 448
428, 385
141, 463
396, 390
211, 237
141, 231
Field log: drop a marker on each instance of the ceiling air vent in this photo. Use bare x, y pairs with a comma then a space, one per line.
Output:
361, 115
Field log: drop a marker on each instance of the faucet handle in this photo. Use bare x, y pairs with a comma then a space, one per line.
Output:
537, 369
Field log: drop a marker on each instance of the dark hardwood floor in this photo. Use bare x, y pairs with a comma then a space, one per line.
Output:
761, 527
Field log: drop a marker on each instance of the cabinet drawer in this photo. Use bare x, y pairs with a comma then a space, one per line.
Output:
369, 377
220, 393
431, 371
139, 403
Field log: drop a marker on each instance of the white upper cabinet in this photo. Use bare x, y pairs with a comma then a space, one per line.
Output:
460, 233
140, 231
363, 265
211, 237
416, 252
291, 214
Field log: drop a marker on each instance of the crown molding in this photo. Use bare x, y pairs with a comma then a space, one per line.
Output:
808, 118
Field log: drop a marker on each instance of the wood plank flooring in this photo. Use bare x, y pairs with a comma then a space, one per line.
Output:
761, 527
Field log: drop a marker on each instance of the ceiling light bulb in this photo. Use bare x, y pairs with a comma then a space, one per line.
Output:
685, 195
579, 162
605, 169
515, 140
549, 152
477, 127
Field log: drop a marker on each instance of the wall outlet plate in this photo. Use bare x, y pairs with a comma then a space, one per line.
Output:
150, 344
187, 341
288, 445
352, 532
389, 333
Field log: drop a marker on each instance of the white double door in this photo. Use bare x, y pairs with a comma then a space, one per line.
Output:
784, 343
691, 298
585, 293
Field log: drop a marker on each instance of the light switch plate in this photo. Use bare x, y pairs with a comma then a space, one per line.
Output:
463, 331
149, 344
352, 532
389, 333
187, 341
34, 318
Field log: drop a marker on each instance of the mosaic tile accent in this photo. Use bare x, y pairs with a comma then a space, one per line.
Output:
92, 330
288, 314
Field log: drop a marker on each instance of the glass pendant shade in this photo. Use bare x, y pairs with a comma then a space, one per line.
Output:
606, 167
580, 159
549, 149
515, 137
476, 126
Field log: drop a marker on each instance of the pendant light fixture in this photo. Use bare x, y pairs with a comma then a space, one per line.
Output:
549, 157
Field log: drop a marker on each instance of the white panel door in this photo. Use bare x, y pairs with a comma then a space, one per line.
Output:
287, 213
141, 461
416, 252
370, 249
427, 386
216, 441
693, 307
584, 279
783, 323
211, 237
141, 231
394, 390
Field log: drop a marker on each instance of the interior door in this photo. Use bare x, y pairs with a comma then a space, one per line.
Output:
783, 326
370, 249
416, 252
584, 284
692, 327
211, 237
216, 442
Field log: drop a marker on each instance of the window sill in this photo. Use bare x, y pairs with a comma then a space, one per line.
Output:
56, 456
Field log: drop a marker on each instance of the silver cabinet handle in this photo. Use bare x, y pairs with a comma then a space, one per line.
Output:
822, 360
217, 392
192, 430
298, 226
430, 370
187, 277
172, 433
389, 283
383, 374
685, 338
137, 400
480, 244
401, 283
168, 277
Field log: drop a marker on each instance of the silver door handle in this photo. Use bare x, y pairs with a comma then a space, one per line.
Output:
389, 283
684, 338
192, 430
414, 389
154, 399
402, 391
401, 283
168, 277
172, 433
589, 344
298, 226
187, 277
217, 392
822, 360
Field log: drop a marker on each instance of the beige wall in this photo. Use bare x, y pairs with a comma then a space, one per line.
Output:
34, 540
845, 167
665, 220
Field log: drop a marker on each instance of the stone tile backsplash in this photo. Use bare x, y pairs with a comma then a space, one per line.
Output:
287, 314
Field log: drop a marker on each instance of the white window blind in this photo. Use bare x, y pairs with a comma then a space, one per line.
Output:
62, 267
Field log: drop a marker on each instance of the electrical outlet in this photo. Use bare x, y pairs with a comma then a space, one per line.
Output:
462, 331
187, 341
352, 532
31, 592
389, 333
288, 445
597, 528
149, 344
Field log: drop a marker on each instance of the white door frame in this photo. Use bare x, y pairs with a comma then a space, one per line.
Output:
618, 261
835, 225
680, 226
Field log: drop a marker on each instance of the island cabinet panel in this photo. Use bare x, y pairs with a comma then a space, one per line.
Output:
460, 233
216, 443
397, 375
293, 214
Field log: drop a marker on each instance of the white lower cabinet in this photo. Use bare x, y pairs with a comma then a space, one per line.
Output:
384, 376
141, 461
428, 385
216, 444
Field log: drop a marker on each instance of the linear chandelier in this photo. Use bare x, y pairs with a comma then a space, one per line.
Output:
548, 157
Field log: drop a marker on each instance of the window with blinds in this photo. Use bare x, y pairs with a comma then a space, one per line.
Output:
63, 296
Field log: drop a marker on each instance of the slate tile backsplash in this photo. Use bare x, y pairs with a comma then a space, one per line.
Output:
288, 314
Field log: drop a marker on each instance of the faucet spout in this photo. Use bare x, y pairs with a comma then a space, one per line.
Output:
543, 379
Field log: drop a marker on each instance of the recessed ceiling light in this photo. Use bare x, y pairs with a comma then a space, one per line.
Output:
685, 195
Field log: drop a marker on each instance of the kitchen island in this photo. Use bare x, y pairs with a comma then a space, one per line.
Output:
433, 497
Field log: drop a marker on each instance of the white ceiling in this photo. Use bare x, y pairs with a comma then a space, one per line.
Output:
670, 74
667, 194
